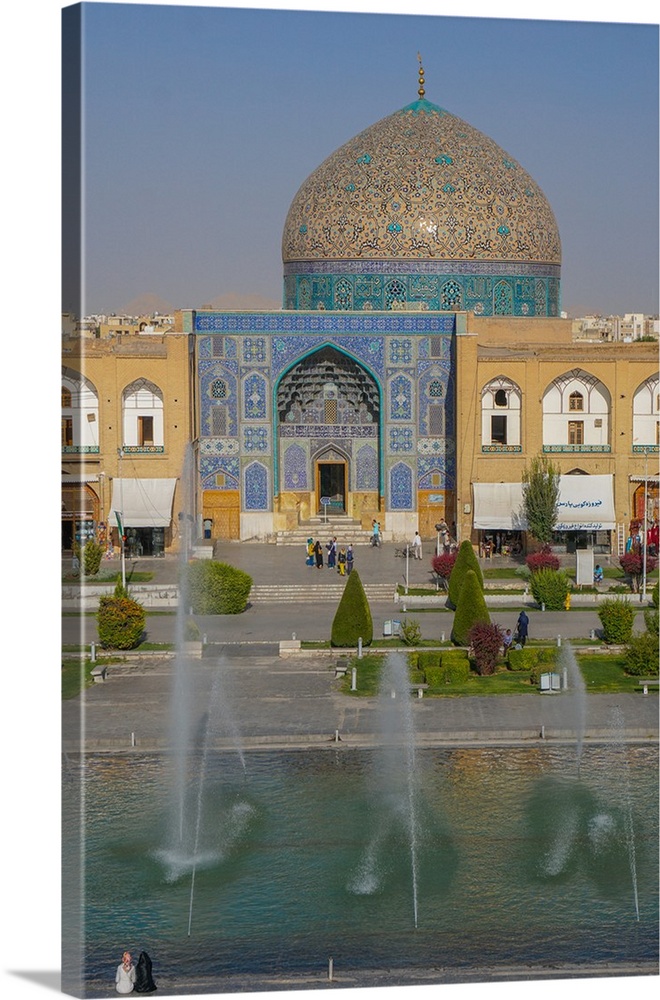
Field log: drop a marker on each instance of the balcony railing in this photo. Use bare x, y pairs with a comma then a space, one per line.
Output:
501, 449
646, 449
80, 449
577, 447
143, 449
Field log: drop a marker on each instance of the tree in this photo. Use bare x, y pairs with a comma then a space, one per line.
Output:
632, 564
540, 497
352, 619
471, 608
485, 638
465, 560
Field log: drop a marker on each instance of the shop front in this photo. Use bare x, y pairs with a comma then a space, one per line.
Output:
585, 516
145, 510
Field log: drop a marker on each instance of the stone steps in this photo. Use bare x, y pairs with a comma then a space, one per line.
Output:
345, 529
327, 590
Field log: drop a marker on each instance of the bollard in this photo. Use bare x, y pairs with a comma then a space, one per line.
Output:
542, 732
559, 640
360, 648
293, 636
204, 639
336, 736
442, 637
646, 689
403, 606
92, 652
592, 633
420, 693
542, 606
330, 969
354, 679
132, 739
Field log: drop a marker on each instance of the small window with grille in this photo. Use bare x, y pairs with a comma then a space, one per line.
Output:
576, 401
435, 347
436, 420
218, 347
330, 411
218, 420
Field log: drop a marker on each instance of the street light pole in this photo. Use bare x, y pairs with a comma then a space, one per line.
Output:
642, 594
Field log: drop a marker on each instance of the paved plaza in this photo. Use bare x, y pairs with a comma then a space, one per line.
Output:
298, 701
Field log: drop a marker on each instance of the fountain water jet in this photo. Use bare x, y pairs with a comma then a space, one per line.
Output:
577, 693
397, 770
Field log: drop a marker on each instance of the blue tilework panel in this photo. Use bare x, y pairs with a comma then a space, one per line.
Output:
256, 439
256, 491
366, 471
401, 395
319, 323
295, 468
255, 397
401, 487
210, 466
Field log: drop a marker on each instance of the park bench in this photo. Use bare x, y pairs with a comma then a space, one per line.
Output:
99, 674
646, 682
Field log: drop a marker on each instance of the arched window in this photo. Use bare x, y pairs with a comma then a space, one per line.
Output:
646, 415
143, 415
501, 402
80, 413
576, 413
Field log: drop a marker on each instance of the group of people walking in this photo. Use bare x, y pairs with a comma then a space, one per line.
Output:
339, 558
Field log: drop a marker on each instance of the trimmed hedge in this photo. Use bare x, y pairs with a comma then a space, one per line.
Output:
471, 609
353, 616
120, 622
641, 656
617, 617
465, 560
216, 588
550, 587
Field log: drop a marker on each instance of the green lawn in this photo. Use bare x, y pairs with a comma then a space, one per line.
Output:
76, 675
602, 673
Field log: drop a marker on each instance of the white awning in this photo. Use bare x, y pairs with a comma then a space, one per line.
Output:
586, 503
144, 503
71, 479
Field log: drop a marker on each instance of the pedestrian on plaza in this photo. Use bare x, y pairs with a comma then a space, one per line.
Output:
522, 628
125, 975
507, 640
332, 553
144, 980
417, 546
318, 553
341, 562
375, 536
310, 552
349, 560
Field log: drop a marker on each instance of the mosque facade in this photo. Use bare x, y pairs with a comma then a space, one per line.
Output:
414, 252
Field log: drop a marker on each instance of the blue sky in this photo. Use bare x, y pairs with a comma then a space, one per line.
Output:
202, 122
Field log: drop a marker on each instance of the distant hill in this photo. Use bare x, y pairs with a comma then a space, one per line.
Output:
149, 303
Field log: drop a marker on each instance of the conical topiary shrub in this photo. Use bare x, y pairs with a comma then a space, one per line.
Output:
465, 560
471, 608
353, 616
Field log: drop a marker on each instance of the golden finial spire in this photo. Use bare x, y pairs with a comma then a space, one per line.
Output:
421, 90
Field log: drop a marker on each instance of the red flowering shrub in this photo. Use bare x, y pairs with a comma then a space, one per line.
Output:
632, 564
443, 564
485, 639
543, 559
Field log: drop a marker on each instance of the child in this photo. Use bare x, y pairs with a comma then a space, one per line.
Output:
341, 563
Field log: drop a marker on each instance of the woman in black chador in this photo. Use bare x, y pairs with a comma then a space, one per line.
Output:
144, 981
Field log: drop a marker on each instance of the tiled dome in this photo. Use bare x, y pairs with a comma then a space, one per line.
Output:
421, 183
424, 190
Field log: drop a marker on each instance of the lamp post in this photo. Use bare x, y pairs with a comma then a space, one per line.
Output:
119, 515
642, 593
